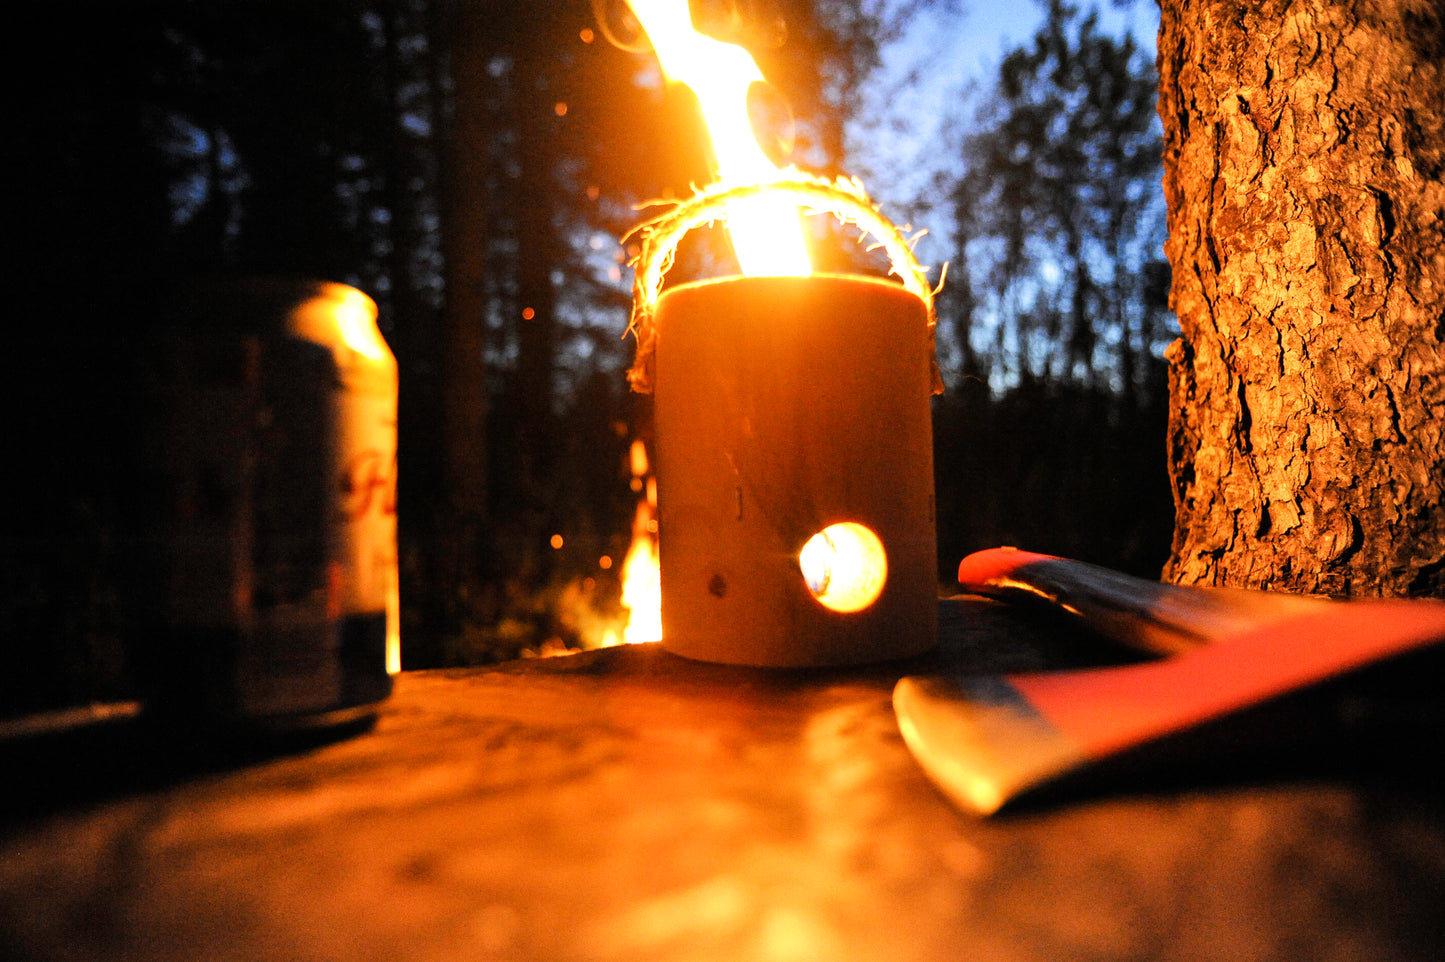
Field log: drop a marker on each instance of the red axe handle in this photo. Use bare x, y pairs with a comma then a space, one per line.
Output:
1150, 616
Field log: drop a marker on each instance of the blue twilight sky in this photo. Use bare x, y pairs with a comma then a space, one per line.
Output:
922, 101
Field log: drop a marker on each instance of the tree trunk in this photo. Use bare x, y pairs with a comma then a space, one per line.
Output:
464, 233
463, 29
1304, 153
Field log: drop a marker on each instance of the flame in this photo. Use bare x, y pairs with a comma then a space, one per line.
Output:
393, 620
641, 570
347, 311
844, 566
765, 230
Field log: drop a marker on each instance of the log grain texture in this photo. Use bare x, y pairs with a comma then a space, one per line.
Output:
627, 804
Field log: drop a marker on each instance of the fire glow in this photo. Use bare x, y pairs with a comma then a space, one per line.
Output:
797, 402
765, 231
845, 566
641, 571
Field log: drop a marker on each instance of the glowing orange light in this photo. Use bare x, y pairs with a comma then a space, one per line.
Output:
528, 313
765, 231
556, 541
844, 566
587, 35
637, 455
642, 582
560, 109
642, 568
353, 315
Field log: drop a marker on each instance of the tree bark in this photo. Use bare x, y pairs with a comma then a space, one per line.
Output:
452, 571
464, 232
1304, 153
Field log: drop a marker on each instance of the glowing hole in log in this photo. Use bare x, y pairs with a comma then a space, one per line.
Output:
844, 566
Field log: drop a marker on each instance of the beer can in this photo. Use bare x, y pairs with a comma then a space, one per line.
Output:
277, 448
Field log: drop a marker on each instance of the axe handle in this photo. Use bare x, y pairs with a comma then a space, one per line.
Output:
1150, 616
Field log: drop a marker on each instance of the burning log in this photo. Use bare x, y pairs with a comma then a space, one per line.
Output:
785, 407
794, 436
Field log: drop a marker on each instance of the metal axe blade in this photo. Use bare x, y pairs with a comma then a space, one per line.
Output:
984, 740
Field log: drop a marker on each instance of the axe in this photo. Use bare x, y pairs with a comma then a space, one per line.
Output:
986, 740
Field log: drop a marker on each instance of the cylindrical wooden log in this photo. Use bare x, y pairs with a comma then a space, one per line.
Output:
784, 405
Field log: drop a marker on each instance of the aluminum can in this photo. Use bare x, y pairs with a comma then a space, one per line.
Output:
277, 447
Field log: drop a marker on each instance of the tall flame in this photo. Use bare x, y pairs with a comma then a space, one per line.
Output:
765, 232
642, 571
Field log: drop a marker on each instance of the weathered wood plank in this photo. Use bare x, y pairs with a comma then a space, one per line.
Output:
629, 805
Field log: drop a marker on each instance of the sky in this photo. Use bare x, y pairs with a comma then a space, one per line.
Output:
921, 101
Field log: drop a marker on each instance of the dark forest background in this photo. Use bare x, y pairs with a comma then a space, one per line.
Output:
471, 166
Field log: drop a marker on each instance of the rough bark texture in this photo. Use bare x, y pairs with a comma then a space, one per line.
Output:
1304, 152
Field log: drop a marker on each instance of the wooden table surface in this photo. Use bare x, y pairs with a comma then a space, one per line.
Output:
626, 804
